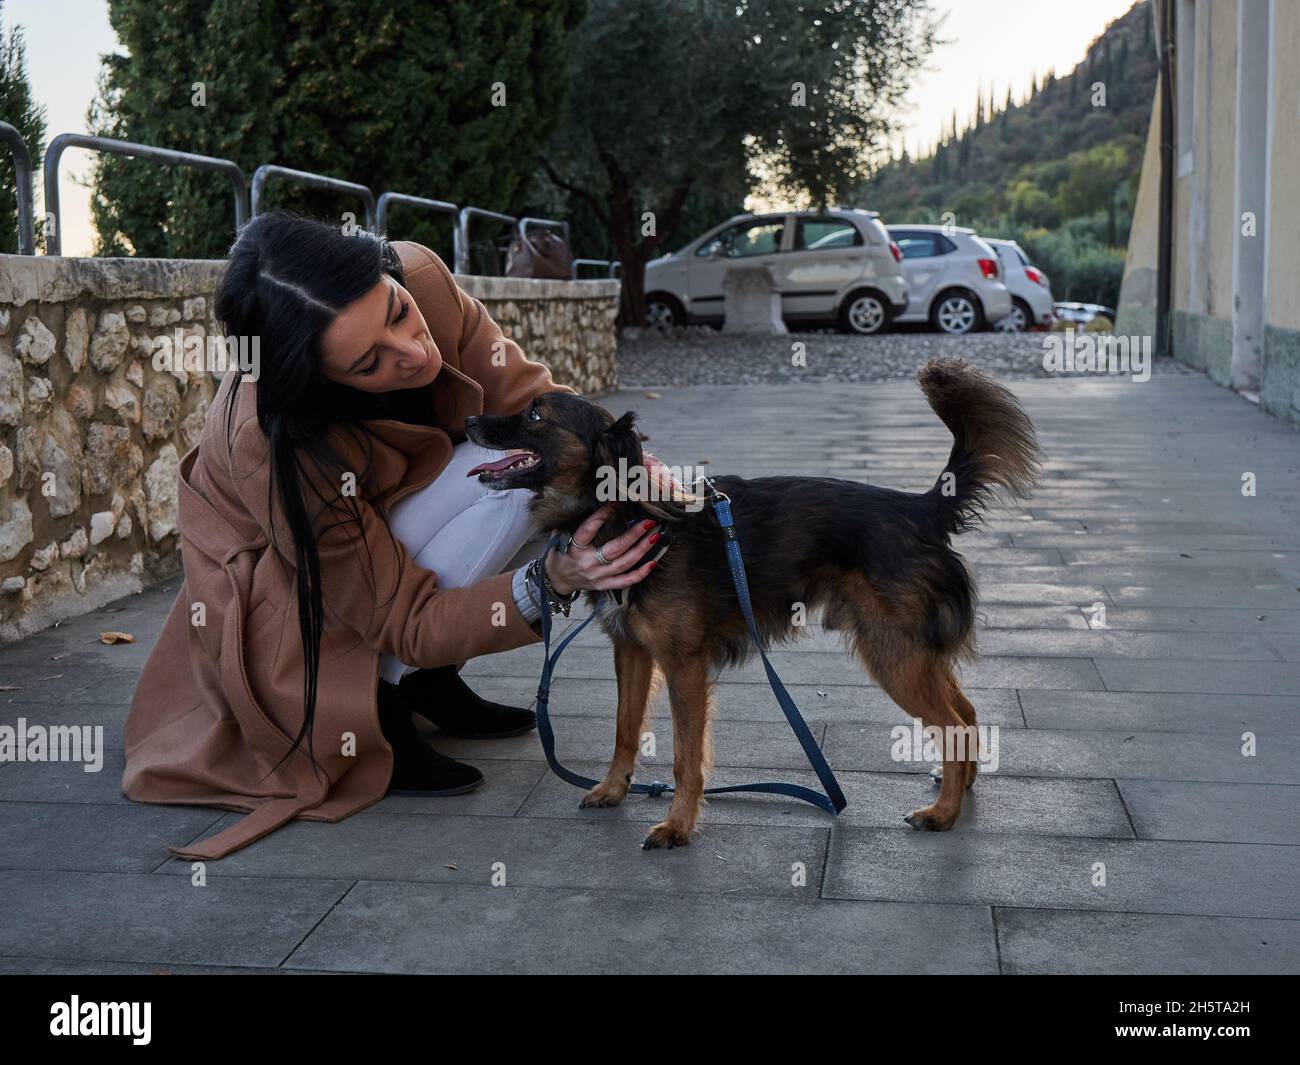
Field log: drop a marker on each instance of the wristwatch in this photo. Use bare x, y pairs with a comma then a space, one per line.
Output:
559, 604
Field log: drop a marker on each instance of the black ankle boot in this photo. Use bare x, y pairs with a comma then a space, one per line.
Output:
417, 768
441, 696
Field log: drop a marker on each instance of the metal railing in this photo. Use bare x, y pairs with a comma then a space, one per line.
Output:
246, 206
111, 146
23, 179
462, 227
440, 206
312, 181
611, 267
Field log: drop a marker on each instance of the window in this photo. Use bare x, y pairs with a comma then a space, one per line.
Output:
822, 234
918, 245
746, 238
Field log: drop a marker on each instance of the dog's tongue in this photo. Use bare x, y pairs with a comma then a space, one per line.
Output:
497, 465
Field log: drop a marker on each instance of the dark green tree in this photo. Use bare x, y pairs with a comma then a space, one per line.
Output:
447, 101
20, 111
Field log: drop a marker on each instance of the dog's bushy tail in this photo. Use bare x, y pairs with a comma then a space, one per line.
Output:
994, 445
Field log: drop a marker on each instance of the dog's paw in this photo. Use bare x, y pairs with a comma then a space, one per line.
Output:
927, 819
601, 796
665, 836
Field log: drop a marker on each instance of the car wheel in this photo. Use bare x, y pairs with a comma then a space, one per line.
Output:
864, 313
1018, 321
955, 313
663, 312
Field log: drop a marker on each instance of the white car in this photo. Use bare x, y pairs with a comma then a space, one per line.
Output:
836, 266
1083, 313
954, 280
1030, 288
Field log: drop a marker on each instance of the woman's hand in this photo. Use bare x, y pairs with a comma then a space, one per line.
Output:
580, 568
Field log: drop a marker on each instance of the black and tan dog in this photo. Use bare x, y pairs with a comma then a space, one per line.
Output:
878, 562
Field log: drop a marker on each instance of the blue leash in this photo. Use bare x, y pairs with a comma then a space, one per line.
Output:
832, 801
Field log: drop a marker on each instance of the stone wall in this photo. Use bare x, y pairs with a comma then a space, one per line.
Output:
91, 435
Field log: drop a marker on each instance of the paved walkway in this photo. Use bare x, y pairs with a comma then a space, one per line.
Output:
1121, 750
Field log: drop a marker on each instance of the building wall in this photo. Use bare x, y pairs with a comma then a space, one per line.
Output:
1206, 220
92, 434
1279, 391
1203, 197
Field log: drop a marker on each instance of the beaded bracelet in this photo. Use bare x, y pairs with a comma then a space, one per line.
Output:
560, 604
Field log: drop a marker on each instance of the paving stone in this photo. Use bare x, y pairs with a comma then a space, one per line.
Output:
63, 967
1058, 872
66, 781
741, 743
995, 804
1034, 941
124, 918
746, 702
800, 667
532, 852
1242, 678
111, 717
1145, 645
1231, 813
1043, 752
1162, 712
406, 928
95, 836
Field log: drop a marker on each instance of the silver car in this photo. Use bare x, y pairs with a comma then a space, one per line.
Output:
1030, 288
835, 266
953, 278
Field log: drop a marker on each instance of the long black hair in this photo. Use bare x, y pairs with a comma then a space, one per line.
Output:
287, 278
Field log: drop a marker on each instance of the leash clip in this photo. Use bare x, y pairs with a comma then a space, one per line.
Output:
710, 489
656, 788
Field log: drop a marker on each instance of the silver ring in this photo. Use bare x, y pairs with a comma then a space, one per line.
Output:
600, 557
580, 547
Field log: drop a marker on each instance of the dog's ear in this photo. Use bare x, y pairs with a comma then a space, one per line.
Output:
620, 440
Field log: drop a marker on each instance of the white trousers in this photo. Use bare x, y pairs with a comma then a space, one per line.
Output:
463, 530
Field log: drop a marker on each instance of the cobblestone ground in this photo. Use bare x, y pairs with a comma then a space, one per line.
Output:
703, 356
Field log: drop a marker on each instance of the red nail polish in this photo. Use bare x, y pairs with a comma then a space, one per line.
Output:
648, 525
653, 564
654, 538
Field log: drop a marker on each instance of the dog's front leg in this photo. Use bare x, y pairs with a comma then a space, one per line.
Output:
691, 693
634, 668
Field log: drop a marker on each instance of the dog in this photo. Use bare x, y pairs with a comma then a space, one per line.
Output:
877, 562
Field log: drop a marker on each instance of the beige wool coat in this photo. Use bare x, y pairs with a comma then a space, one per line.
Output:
219, 702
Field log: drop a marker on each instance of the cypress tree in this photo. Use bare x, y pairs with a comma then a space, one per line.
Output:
18, 109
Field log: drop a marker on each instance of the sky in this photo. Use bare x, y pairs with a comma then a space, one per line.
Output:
993, 42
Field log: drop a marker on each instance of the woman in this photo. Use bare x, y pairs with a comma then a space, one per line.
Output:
339, 564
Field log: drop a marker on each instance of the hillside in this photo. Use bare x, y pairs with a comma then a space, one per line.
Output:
1056, 172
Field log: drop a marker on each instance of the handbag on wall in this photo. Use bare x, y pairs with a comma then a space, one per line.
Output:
545, 255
